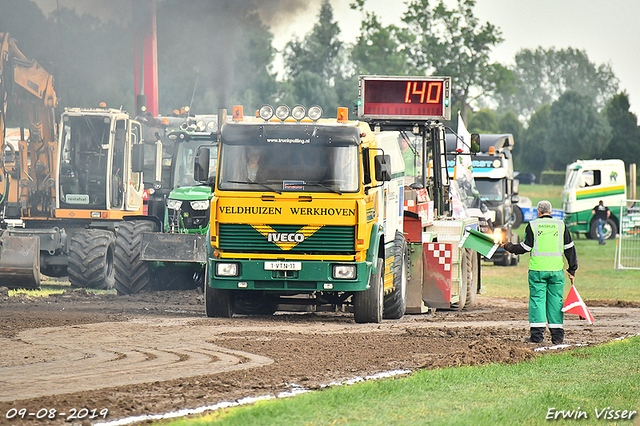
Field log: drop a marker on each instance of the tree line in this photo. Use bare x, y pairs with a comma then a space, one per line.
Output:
558, 104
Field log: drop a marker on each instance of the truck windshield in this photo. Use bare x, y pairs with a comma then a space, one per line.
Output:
83, 162
184, 159
291, 164
571, 178
491, 189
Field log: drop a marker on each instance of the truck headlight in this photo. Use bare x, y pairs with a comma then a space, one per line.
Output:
226, 269
174, 204
344, 272
200, 204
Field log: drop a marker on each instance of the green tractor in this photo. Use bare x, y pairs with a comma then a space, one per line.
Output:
171, 256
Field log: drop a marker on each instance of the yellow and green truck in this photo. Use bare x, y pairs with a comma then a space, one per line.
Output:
315, 220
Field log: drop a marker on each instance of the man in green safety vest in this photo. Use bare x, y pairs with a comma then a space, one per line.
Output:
546, 239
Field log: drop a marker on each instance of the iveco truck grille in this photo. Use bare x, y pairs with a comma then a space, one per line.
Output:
246, 239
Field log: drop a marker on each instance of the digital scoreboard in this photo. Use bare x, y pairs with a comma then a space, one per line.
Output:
404, 98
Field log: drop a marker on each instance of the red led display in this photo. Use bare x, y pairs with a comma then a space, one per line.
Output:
404, 97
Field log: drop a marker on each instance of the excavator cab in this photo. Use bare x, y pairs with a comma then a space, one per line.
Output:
95, 162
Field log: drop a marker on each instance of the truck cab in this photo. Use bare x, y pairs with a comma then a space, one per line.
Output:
586, 183
493, 176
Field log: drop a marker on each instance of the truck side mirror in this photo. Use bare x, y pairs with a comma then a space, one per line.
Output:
475, 143
382, 166
201, 165
137, 158
366, 165
515, 187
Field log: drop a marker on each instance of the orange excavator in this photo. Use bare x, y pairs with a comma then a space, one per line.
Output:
66, 187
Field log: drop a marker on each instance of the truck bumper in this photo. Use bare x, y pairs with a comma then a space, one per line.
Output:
312, 276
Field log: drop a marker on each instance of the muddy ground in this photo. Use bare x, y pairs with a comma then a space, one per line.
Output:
155, 353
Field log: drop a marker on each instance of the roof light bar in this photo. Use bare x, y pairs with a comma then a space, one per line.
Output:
282, 112
266, 112
298, 112
315, 112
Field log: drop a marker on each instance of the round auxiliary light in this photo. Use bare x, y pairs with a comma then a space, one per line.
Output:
201, 126
266, 112
282, 112
315, 112
211, 126
298, 112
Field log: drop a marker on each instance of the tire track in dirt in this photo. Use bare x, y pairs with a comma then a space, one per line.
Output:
95, 356
102, 355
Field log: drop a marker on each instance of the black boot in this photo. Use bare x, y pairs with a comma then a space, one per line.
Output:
537, 334
557, 335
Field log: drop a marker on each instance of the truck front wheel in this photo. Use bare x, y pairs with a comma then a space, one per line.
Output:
368, 305
395, 303
610, 229
218, 303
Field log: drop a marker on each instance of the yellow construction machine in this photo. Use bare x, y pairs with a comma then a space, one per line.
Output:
65, 188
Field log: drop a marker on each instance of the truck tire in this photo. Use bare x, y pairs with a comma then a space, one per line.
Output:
610, 229
395, 303
368, 305
91, 259
255, 303
218, 303
133, 275
462, 282
472, 278
518, 217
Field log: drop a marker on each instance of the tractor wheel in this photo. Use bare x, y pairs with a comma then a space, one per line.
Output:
368, 305
133, 275
255, 303
472, 278
91, 259
395, 303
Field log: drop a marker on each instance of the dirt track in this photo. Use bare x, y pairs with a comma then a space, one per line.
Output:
154, 353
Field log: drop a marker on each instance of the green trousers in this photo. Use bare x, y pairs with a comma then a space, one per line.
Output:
545, 298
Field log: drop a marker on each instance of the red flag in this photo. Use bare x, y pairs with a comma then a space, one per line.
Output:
575, 305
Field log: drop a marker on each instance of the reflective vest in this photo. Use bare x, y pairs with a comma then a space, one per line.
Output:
548, 245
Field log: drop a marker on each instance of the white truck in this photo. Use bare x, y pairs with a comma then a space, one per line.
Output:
586, 183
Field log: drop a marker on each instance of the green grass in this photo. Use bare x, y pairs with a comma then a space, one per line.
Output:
551, 193
522, 394
50, 286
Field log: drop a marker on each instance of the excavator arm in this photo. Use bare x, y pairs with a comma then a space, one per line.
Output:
28, 170
29, 173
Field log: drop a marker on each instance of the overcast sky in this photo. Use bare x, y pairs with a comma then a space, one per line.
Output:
608, 30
